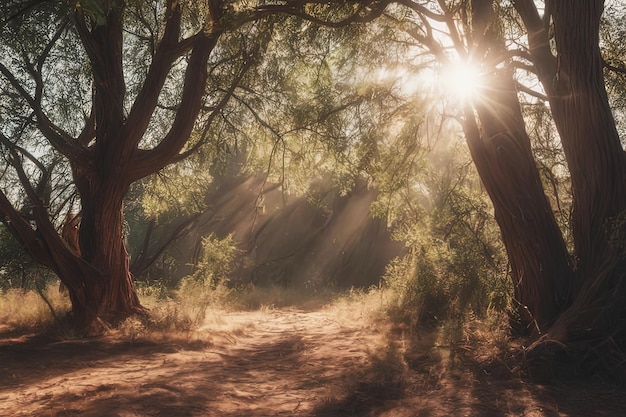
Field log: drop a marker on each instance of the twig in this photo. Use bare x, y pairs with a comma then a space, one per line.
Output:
45, 299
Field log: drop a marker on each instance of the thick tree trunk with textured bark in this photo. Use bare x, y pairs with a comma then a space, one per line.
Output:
501, 151
101, 243
579, 308
595, 157
590, 140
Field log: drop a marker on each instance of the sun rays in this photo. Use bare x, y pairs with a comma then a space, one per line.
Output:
462, 82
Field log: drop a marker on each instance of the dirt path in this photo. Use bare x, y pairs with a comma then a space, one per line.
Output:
254, 364
274, 363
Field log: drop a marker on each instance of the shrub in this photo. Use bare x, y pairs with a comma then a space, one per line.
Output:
207, 286
435, 284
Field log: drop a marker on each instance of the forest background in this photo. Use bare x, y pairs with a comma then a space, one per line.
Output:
461, 157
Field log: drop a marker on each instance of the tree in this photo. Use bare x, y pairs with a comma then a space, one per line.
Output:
568, 300
113, 91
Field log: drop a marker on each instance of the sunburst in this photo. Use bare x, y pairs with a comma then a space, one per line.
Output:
462, 82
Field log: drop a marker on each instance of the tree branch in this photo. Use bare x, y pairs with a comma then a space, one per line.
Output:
146, 162
147, 99
27, 6
59, 139
522, 88
44, 244
619, 68
16, 162
525, 67
143, 261
214, 112
167, 151
22, 230
538, 42
427, 40
15, 221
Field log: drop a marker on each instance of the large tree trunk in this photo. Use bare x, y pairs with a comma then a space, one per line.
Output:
595, 158
99, 287
579, 309
105, 295
501, 151
102, 245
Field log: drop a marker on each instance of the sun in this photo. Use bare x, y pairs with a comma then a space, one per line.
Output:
462, 82
458, 82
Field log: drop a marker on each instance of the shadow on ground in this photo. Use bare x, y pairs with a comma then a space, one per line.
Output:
283, 363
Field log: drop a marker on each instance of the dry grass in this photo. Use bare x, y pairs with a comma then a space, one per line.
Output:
28, 309
195, 311
346, 358
194, 304
197, 303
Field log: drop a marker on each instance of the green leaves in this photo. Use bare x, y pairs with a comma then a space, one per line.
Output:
98, 10
176, 192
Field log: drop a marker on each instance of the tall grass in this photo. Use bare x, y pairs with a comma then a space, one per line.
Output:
29, 309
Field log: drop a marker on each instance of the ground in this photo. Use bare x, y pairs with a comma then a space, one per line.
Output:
323, 362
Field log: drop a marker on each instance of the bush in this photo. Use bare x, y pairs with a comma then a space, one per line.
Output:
208, 285
436, 285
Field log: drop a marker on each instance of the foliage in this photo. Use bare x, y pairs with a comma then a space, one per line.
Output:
613, 47
16, 265
302, 112
455, 263
179, 191
207, 286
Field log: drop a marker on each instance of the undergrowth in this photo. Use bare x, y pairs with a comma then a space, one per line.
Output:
437, 287
433, 289
22, 309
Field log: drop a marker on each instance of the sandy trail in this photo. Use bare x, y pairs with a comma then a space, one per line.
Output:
273, 363
327, 363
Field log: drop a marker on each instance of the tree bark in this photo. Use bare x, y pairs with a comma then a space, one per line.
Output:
579, 305
581, 112
595, 158
500, 148
585, 307
102, 245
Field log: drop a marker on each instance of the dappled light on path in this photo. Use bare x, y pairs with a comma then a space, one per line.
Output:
328, 362
250, 363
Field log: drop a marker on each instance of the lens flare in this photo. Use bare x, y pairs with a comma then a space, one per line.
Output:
462, 82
